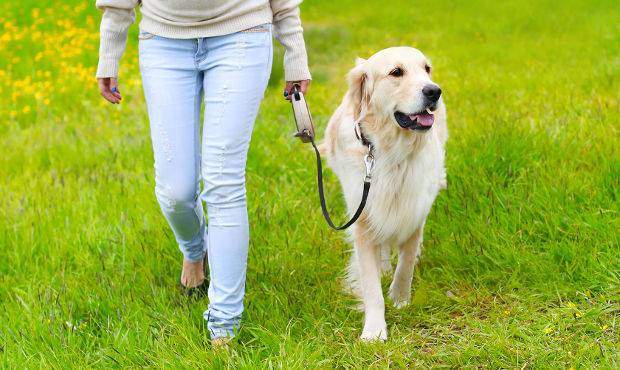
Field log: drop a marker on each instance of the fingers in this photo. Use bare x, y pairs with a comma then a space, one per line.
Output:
114, 88
108, 87
288, 89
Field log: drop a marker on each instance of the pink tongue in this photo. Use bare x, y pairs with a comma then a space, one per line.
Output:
424, 119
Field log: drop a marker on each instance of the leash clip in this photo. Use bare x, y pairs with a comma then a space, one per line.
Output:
369, 162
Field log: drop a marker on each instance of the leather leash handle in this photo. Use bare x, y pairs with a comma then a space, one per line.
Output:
303, 118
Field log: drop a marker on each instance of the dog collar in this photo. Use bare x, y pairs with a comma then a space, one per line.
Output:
360, 135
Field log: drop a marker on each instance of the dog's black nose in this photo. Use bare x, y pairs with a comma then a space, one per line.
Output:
431, 92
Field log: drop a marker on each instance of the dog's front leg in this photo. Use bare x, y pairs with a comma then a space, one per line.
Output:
386, 259
368, 255
408, 252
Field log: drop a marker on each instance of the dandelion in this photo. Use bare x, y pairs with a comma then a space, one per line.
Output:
548, 330
26, 109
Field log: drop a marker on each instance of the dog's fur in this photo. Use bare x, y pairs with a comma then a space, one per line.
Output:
408, 173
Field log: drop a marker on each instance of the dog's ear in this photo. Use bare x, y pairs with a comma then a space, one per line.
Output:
360, 88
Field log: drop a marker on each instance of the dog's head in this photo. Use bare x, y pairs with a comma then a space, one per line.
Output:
395, 85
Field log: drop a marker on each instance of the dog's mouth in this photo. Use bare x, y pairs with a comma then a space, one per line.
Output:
420, 121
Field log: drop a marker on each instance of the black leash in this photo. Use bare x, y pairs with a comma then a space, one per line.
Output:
305, 132
368, 161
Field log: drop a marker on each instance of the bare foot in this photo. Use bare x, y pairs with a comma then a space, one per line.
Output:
193, 274
221, 342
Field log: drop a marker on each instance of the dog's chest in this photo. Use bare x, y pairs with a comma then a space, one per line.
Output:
402, 195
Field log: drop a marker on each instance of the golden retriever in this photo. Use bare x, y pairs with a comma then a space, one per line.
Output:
400, 111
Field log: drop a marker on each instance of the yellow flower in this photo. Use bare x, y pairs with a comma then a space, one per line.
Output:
26, 109
13, 113
46, 101
548, 330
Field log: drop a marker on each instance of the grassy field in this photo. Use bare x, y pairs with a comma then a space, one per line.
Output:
521, 265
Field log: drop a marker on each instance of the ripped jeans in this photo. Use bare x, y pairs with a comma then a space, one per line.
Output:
230, 73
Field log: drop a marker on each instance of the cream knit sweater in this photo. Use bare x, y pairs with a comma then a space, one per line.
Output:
201, 18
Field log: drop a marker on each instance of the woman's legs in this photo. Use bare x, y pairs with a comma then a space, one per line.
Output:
173, 90
233, 70
236, 70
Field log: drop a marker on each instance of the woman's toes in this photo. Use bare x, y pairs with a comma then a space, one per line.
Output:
221, 342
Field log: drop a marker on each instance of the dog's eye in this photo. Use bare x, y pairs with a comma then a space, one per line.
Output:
427, 68
396, 72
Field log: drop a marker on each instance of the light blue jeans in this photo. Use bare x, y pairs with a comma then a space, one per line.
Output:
230, 73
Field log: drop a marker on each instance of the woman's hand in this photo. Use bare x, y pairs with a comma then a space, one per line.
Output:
108, 87
288, 89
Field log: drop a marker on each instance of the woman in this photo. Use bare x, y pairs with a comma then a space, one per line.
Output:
219, 51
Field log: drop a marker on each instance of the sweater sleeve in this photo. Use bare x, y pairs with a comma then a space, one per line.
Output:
288, 31
118, 15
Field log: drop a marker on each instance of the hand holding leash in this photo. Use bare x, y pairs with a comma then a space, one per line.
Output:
302, 85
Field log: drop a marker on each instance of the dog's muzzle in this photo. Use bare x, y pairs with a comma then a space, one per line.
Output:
420, 121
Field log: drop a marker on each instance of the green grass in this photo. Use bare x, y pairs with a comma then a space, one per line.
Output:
521, 262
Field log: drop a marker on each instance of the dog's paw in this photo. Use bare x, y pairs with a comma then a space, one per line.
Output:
399, 298
372, 334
